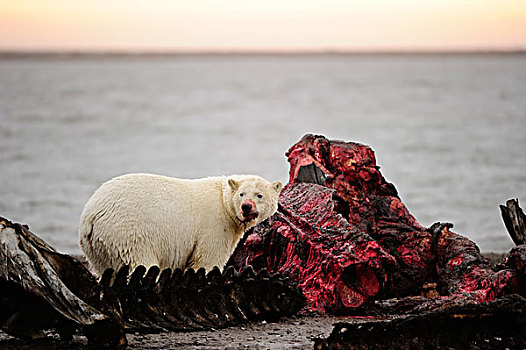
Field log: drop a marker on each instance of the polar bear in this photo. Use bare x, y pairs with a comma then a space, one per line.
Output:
146, 219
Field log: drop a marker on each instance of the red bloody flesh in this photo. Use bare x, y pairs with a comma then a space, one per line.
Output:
347, 238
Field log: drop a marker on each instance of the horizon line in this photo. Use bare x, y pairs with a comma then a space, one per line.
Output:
19, 53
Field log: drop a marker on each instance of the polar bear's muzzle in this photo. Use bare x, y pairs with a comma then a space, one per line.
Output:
249, 210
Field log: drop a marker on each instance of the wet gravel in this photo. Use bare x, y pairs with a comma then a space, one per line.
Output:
291, 333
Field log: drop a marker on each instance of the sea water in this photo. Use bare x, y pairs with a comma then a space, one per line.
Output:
449, 131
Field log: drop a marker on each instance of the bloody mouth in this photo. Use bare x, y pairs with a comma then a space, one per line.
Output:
247, 217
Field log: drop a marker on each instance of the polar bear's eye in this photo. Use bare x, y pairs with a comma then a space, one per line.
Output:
260, 196
241, 194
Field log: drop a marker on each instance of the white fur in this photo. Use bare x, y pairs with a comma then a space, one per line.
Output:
145, 219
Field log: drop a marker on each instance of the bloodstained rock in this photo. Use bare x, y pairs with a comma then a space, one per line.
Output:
344, 236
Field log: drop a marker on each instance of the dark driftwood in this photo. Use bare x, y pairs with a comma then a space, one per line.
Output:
515, 221
496, 325
42, 289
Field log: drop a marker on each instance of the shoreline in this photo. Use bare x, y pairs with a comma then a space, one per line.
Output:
6, 55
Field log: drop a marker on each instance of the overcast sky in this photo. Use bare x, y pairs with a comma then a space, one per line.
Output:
262, 25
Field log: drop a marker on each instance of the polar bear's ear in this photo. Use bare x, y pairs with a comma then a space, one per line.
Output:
277, 186
234, 185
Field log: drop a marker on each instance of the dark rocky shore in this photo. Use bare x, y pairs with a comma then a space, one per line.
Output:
292, 333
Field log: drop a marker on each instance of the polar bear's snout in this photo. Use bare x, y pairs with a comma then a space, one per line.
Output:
249, 210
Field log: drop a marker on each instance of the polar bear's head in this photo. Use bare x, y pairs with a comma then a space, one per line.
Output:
253, 198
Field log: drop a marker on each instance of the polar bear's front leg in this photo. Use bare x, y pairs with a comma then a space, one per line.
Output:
208, 255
